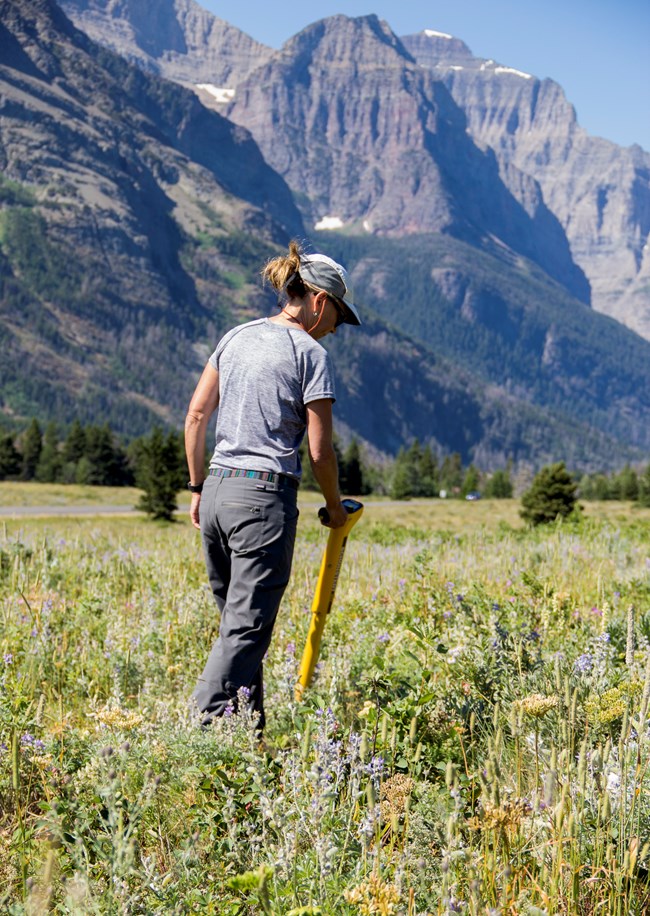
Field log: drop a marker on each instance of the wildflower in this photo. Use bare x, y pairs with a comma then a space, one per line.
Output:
8, 658
610, 706
506, 816
366, 709
374, 896
383, 637
537, 705
395, 793
583, 664
114, 717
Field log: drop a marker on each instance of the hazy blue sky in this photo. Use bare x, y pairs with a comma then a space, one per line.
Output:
597, 50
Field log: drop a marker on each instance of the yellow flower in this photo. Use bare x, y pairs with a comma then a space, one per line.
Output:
537, 705
374, 896
115, 717
507, 816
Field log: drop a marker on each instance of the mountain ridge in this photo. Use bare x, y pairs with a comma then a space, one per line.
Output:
128, 244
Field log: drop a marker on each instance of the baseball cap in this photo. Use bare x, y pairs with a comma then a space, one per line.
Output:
324, 273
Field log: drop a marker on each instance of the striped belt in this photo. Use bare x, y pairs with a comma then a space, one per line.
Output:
269, 476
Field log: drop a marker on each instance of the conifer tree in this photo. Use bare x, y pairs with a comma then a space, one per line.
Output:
451, 473
157, 474
105, 462
75, 443
471, 480
499, 486
644, 488
10, 458
552, 494
428, 484
32, 445
354, 484
404, 478
627, 483
72, 452
49, 465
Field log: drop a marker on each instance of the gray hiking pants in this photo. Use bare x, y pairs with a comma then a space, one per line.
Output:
248, 528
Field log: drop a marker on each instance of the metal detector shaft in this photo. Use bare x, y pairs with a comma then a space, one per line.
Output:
325, 590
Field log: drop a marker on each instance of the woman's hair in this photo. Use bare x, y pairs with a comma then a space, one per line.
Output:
283, 273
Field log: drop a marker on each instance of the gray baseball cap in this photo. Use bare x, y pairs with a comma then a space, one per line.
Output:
324, 273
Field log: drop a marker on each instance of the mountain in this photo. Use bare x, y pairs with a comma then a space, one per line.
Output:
177, 39
134, 221
599, 192
125, 204
376, 145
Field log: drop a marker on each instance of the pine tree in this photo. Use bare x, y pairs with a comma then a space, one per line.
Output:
48, 469
31, 448
451, 473
10, 458
552, 494
353, 470
404, 479
644, 488
428, 473
157, 474
499, 486
628, 483
471, 481
72, 452
105, 462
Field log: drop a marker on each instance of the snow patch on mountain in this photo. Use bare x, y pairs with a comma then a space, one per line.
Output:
431, 34
220, 94
329, 222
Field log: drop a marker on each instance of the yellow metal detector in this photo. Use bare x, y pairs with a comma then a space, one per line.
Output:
325, 589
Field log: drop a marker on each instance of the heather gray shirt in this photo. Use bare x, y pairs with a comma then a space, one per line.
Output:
267, 374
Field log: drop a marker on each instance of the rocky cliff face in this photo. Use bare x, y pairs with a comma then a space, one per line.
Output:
133, 223
370, 142
598, 191
120, 180
177, 39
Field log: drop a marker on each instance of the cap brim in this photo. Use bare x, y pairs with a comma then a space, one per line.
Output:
352, 315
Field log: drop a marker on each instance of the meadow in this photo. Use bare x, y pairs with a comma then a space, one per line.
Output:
476, 739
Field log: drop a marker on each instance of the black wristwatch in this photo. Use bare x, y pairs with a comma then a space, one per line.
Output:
194, 487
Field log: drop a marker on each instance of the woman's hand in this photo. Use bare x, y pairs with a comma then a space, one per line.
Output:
336, 516
194, 510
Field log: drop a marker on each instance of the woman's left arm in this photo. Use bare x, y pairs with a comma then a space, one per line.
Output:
203, 404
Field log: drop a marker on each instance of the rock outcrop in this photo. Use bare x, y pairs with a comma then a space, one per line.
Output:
177, 39
370, 142
599, 192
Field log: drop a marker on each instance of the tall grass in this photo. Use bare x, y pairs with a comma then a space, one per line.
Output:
476, 740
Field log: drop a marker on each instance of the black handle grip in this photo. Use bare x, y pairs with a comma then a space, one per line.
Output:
351, 506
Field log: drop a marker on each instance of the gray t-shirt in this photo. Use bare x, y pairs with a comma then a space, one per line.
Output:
267, 374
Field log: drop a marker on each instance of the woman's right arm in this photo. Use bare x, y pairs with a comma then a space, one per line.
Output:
323, 459
203, 404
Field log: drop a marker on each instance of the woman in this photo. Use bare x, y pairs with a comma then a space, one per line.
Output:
271, 381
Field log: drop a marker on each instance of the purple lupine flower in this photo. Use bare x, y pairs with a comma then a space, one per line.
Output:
583, 664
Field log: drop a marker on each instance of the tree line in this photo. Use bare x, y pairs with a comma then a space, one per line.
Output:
93, 455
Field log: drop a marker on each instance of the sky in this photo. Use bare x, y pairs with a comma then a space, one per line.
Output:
597, 50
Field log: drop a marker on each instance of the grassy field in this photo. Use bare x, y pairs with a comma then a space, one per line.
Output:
476, 739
